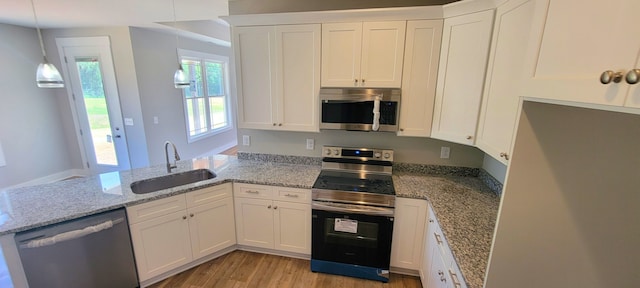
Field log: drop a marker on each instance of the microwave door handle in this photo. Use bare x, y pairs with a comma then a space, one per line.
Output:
376, 114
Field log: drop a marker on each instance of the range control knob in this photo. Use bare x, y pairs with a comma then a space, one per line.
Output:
336, 152
377, 155
387, 155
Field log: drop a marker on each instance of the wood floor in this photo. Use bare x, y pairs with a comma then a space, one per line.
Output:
247, 269
233, 151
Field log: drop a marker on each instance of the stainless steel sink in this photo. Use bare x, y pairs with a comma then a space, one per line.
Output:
171, 180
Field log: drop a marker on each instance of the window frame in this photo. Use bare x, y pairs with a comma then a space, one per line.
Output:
203, 58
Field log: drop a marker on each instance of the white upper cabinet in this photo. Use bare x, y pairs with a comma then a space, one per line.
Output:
278, 75
365, 54
500, 100
463, 62
420, 72
255, 55
573, 42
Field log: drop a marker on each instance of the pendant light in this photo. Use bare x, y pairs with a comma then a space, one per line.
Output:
180, 78
47, 75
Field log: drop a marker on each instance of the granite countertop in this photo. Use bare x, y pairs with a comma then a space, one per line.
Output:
464, 206
466, 210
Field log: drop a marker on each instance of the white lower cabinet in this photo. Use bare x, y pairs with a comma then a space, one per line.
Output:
408, 233
172, 232
439, 268
273, 217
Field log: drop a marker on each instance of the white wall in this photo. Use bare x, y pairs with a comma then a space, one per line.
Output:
31, 126
407, 149
127, 88
156, 61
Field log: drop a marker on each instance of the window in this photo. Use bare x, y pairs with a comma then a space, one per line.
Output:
206, 101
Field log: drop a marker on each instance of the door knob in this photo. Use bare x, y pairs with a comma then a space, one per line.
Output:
632, 76
607, 76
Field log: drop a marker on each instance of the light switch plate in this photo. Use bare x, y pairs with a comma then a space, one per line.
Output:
444, 152
128, 121
155, 119
310, 144
3, 162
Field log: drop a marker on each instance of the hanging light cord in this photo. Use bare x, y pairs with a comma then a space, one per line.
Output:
44, 54
175, 28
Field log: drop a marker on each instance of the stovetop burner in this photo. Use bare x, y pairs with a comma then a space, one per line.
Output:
356, 182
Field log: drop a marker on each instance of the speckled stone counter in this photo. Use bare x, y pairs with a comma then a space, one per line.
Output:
464, 206
466, 210
35, 206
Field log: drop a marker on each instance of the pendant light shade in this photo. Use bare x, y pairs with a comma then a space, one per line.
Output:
180, 78
47, 75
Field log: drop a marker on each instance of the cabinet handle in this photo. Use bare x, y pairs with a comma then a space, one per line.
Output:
292, 195
355, 81
504, 155
275, 207
469, 137
442, 278
633, 76
430, 220
401, 129
454, 278
438, 238
607, 76
252, 192
269, 207
191, 215
274, 124
279, 124
184, 217
362, 81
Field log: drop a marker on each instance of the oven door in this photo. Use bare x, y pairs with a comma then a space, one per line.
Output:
355, 236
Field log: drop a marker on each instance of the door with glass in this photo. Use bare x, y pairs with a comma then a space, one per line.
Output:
94, 93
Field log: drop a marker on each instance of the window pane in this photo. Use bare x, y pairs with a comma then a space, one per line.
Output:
194, 70
97, 112
197, 116
218, 112
215, 78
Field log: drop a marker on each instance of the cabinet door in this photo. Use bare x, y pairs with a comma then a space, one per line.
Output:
298, 55
438, 277
292, 227
341, 51
212, 227
568, 50
500, 102
408, 233
633, 97
255, 56
161, 244
420, 72
463, 62
382, 54
254, 222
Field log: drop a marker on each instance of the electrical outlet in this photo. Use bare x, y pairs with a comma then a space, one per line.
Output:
155, 119
444, 152
310, 144
246, 140
3, 162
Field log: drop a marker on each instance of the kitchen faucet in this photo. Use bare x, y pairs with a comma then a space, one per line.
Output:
166, 156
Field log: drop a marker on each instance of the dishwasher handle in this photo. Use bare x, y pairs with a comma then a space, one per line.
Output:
70, 235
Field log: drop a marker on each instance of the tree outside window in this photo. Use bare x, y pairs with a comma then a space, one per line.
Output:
206, 101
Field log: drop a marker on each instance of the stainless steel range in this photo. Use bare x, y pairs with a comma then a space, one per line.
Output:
353, 202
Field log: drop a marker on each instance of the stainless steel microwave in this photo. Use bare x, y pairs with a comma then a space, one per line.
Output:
360, 109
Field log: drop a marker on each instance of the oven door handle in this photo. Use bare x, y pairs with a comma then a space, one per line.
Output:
375, 211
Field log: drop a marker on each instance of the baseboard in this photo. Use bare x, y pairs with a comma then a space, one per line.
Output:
404, 271
275, 252
53, 178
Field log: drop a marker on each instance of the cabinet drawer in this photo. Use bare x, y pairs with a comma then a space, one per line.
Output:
293, 195
252, 191
209, 194
438, 237
156, 208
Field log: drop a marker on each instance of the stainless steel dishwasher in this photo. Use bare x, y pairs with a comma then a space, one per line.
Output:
93, 251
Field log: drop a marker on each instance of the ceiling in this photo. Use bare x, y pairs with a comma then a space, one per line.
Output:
101, 13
